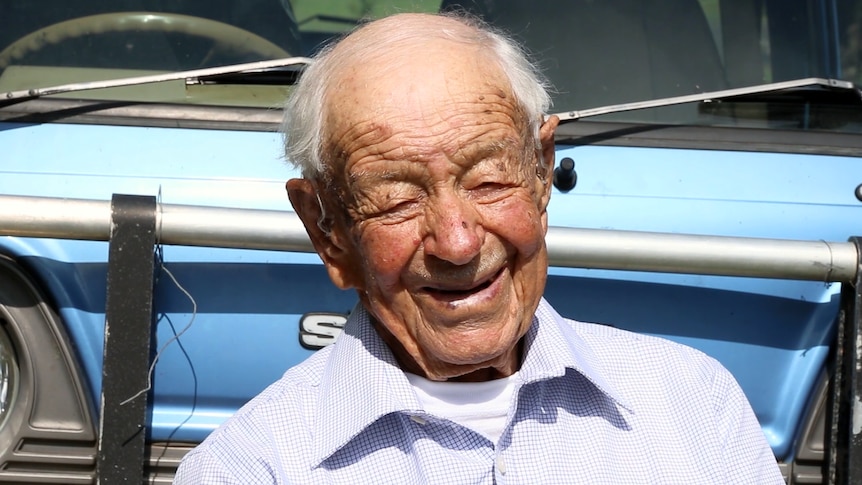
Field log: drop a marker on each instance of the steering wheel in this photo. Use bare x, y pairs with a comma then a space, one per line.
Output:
224, 36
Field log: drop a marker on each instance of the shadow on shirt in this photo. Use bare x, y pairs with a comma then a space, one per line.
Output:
539, 404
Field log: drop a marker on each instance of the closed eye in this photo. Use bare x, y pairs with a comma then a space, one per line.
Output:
490, 190
396, 210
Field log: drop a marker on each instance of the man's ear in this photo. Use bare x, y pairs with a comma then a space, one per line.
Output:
329, 239
546, 139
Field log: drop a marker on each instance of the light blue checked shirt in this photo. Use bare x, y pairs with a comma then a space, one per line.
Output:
594, 405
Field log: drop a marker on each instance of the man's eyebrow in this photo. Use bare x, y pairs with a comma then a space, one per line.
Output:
486, 149
390, 174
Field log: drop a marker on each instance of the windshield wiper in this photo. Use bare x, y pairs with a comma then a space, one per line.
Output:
329, 18
286, 70
789, 86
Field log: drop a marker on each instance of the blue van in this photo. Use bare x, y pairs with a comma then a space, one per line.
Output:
714, 120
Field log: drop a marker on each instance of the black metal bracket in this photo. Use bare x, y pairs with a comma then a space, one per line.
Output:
128, 340
845, 434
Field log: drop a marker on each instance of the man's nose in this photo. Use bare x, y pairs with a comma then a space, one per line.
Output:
454, 233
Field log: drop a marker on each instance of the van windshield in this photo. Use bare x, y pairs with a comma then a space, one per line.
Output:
595, 53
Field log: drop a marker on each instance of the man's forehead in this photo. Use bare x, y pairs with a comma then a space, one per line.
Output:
474, 132
432, 99
373, 69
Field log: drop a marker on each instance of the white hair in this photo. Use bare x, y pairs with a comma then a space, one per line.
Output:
304, 126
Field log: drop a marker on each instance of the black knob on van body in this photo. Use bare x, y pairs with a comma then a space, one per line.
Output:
565, 177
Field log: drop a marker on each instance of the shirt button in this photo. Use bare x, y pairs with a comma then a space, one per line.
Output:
501, 464
418, 419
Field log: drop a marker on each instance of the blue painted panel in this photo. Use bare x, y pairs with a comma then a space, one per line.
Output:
187, 166
775, 346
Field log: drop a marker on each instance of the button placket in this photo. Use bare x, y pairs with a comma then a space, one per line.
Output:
501, 464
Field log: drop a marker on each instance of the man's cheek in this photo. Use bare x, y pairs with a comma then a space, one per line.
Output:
387, 254
514, 219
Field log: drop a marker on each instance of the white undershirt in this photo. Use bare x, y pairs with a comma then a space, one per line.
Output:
480, 406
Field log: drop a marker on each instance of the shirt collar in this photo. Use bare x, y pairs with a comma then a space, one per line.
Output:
553, 345
362, 382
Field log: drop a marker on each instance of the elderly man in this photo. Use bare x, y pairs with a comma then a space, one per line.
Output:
427, 164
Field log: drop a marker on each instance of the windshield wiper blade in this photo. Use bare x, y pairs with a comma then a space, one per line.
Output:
330, 18
809, 82
195, 76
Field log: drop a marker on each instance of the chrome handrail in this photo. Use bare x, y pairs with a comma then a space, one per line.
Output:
224, 227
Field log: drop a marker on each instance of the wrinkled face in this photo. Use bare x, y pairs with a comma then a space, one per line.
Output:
445, 214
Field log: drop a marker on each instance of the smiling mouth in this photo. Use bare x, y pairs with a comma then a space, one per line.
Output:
451, 294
